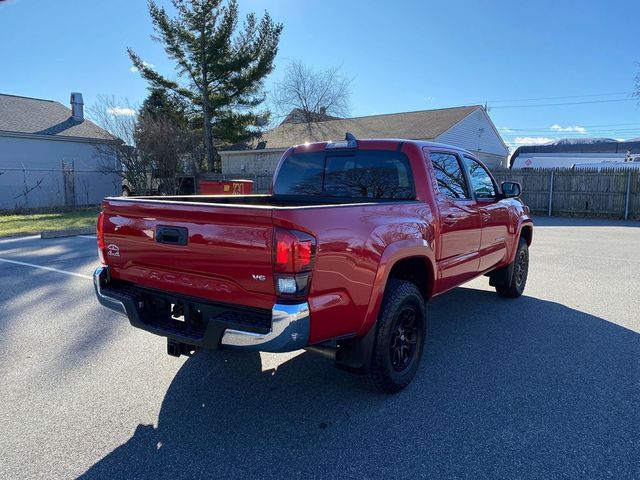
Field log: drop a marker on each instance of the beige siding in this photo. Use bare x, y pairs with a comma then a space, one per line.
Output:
250, 162
477, 134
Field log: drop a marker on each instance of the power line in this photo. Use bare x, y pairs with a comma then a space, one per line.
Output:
570, 129
585, 133
633, 133
583, 126
541, 141
566, 103
557, 98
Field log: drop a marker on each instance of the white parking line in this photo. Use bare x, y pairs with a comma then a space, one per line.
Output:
42, 267
87, 236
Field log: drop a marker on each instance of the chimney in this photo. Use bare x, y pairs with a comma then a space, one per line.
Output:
77, 107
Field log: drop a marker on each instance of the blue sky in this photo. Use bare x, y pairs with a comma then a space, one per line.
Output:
402, 56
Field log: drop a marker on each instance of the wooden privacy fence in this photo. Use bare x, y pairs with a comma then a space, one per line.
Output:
604, 193
607, 193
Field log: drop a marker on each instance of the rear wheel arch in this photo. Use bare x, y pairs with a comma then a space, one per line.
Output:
416, 253
417, 270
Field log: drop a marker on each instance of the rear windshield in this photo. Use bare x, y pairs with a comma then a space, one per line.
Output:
358, 174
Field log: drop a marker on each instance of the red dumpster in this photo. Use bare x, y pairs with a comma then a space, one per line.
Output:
225, 187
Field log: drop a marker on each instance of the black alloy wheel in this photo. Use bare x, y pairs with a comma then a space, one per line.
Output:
404, 339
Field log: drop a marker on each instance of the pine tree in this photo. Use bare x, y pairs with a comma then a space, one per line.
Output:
221, 68
163, 104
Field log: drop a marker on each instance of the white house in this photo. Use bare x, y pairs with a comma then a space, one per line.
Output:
467, 127
579, 153
51, 156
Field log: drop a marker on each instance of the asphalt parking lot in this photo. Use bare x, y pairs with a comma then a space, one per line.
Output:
546, 386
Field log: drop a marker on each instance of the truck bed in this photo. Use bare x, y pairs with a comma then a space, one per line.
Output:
215, 246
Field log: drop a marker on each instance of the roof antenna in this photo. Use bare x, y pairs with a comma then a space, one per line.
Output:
350, 137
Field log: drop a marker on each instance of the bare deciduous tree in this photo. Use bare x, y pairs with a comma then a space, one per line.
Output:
122, 154
86, 188
27, 189
165, 144
306, 95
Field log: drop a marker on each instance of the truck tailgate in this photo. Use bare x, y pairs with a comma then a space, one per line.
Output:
218, 252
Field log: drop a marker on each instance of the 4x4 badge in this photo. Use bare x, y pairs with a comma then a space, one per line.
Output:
113, 250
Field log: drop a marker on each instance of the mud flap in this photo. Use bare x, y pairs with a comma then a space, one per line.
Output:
502, 276
355, 355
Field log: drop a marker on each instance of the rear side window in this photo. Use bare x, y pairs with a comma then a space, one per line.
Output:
481, 181
451, 181
300, 175
360, 174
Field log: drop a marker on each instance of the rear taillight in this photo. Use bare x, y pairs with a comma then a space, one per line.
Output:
100, 237
294, 252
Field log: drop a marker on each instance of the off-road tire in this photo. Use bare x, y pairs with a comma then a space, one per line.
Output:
514, 287
399, 340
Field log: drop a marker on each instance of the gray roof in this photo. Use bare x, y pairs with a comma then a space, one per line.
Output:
613, 146
297, 116
420, 125
33, 116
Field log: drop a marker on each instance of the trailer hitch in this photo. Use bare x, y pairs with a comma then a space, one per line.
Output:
175, 349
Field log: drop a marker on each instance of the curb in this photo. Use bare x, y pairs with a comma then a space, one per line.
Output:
69, 232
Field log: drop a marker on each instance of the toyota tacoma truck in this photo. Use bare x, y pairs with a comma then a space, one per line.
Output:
339, 258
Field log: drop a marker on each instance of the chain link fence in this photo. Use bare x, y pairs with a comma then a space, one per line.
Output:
24, 188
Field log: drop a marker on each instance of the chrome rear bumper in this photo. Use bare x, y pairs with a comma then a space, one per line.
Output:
289, 323
289, 331
100, 277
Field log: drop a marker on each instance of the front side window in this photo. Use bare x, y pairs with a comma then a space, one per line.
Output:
359, 174
451, 181
481, 181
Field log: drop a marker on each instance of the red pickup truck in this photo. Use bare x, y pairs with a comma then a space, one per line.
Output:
340, 259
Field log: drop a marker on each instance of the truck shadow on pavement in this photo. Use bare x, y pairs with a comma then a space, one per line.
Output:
524, 388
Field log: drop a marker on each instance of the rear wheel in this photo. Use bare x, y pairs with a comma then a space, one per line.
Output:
514, 284
126, 192
400, 336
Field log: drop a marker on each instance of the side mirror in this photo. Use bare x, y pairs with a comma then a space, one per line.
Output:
510, 189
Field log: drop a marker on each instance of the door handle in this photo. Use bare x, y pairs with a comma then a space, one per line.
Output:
486, 216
